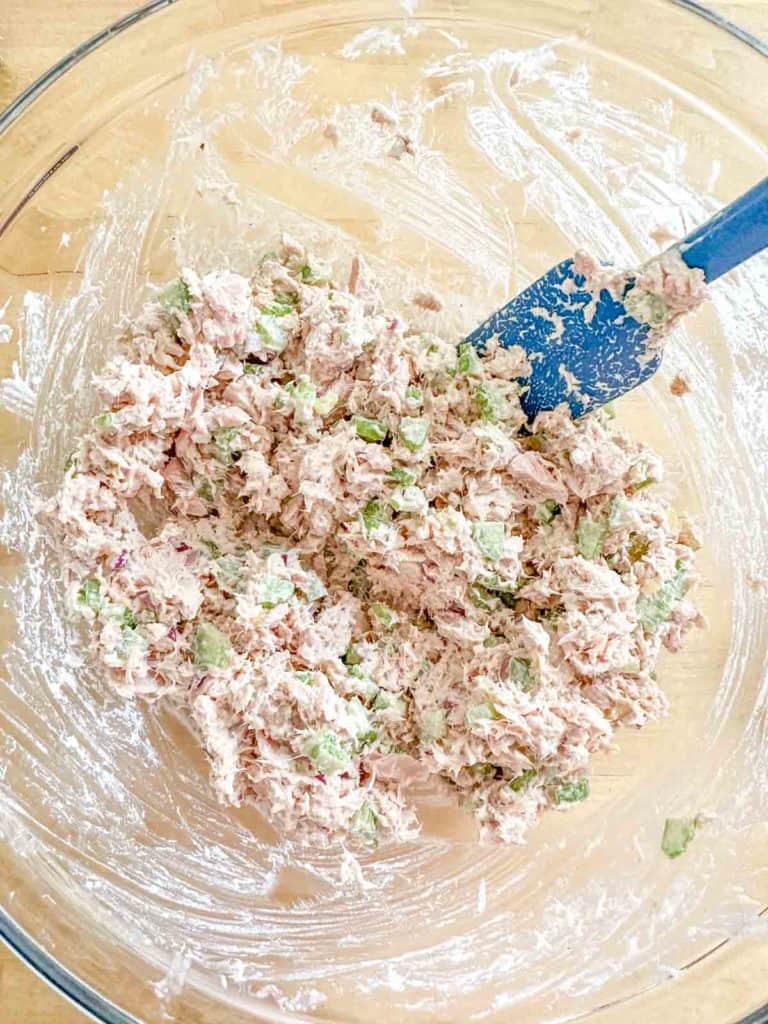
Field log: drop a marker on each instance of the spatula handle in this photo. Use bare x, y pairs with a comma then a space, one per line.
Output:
733, 235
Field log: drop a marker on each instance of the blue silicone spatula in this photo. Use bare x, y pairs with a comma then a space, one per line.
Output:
600, 345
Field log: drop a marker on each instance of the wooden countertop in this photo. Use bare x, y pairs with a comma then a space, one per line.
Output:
33, 35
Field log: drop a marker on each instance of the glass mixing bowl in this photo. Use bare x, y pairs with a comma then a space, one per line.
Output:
192, 133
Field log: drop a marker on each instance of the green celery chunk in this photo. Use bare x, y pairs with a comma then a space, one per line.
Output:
408, 499
205, 491
383, 614
225, 440
369, 429
483, 712
373, 514
89, 595
468, 360
653, 610
678, 833
489, 403
127, 619
547, 510
521, 674
364, 822
210, 648
103, 420
638, 547
413, 431
489, 537
414, 395
432, 725
482, 598
571, 792
273, 590
590, 536
351, 657
271, 332
304, 394
308, 678
523, 781
175, 297
278, 308
325, 403
326, 752
403, 476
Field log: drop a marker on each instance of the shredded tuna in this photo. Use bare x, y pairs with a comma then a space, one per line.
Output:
331, 542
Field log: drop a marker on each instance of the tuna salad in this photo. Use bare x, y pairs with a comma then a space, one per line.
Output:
334, 543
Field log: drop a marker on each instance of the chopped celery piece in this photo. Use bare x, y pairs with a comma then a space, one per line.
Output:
489, 402
212, 547
271, 333
383, 614
89, 595
313, 588
408, 499
483, 712
643, 484
432, 725
638, 547
305, 272
373, 514
103, 420
325, 403
210, 647
250, 368
304, 393
468, 360
678, 833
413, 395
205, 491
571, 792
482, 598
482, 770
368, 429
175, 297
127, 619
364, 822
403, 476
590, 536
273, 590
326, 752
308, 678
489, 537
278, 308
521, 675
547, 510
653, 610
523, 781
225, 440
229, 573
351, 657
413, 431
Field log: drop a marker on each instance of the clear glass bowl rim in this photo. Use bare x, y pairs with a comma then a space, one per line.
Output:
82, 996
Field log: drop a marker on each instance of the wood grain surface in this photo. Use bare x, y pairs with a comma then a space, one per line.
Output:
34, 34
